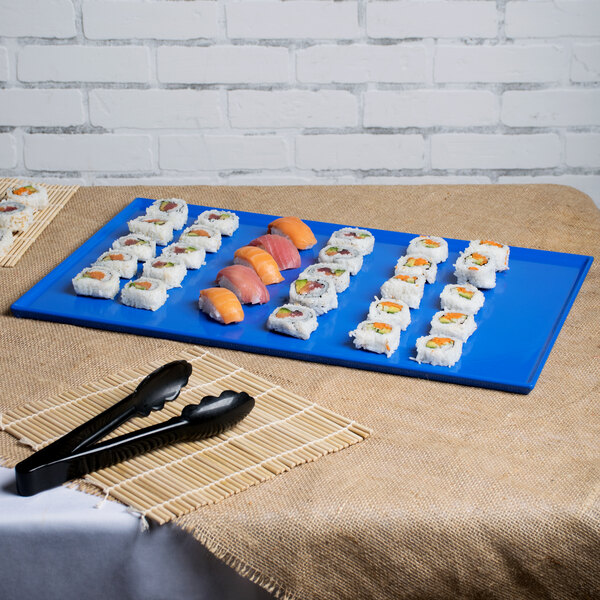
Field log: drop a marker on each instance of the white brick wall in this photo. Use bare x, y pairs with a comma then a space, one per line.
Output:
301, 91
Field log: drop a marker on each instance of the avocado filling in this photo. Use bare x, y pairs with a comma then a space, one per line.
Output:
382, 328
448, 318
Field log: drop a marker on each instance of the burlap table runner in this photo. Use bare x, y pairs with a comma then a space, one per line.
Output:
460, 492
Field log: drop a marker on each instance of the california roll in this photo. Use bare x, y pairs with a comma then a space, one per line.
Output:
377, 336
294, 320
175, 210
146, 292
438, 351
225, 221
390, 310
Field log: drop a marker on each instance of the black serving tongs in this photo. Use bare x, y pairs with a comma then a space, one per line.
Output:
75, 454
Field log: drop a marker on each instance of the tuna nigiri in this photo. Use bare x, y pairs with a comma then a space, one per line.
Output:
281, 249
295, 230
221, 304
259, 260
244, 283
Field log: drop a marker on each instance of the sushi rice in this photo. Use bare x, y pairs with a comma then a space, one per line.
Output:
456, 325
192, 257
407, 288
294, 320
225, 221
15, 216
141, 246
33, 195
475, 268
438, 351
377, 336
6, 240
462, 298
417, 265
390, 310
344, 255
360, 239
429, 246
335, 273
201, 236
316, 293
175, 210
170, 270
145, 292
124, 264
159, 229
498, 253
97, 282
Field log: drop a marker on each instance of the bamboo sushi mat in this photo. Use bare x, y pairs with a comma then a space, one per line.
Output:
282, 431
58, 196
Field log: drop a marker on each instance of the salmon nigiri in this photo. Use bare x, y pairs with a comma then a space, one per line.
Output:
259, 260
221, 304
295, 230
281, 249
244, 283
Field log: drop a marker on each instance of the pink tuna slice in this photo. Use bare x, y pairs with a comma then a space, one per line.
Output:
286, 255
244, 283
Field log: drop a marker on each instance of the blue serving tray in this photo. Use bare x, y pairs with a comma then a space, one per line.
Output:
517, 325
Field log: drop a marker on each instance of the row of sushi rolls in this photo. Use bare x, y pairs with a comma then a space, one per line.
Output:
450, 327
17, 211
314, 292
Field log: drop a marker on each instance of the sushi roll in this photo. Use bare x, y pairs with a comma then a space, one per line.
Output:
475, 268
259, 260
192, 257
159, 229
360, 239
15, 216
407, 288
33, 195
6, 240
335, 273
457, 325
377, 336
428, 246
141, 246
244, 283
438, 351
221, 305
225, 221
462, 298
124, 264
97, 282
201, 237
146, 292
318, 294
347, 257
169, 270
286, 255
390, 310
293, 319
175, 210
296, 230
417, 265
498, 253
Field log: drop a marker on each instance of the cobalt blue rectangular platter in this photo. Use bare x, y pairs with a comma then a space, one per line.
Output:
517, 325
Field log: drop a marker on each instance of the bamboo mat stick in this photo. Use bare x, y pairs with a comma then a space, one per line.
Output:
283, 431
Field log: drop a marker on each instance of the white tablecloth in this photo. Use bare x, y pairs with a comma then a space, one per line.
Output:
57, 545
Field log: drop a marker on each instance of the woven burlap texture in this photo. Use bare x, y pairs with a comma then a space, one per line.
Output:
460, 492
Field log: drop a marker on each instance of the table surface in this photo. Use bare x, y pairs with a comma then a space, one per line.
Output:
459, 492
